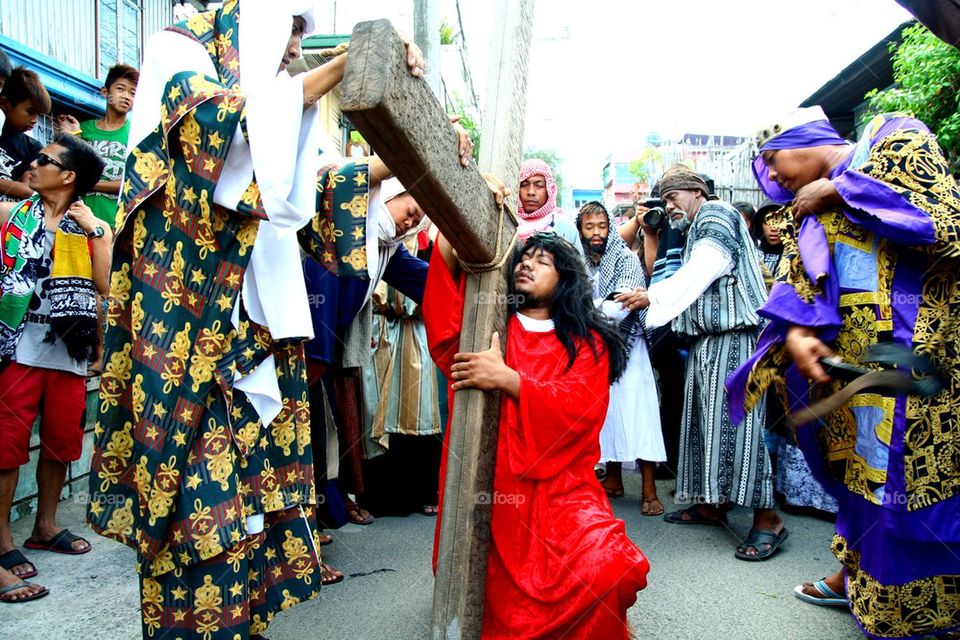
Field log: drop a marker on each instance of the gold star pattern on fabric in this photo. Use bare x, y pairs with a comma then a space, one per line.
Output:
197, 277
177, 536
160, 247
248, 353
180, 438
223, 302
193, 480
189, 195
179, 593
209, 164
158, 410
174, 93
127, 185
179, 615
149, 351
214, 140
270, 553
236, 590
158, 328
360, 179
235, 536
327, 256
149, 270
237, 611
236, 412
186, 415
96, 508
233, 279
152, 433
357, 233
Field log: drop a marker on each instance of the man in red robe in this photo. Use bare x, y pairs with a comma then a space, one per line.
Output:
560, 564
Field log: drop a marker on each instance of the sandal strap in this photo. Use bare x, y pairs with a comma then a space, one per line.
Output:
23, 584
758, 537
13, 558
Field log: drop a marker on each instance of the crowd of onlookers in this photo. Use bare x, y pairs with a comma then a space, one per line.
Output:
58, 204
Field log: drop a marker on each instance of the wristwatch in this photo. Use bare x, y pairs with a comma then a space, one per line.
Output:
96, 233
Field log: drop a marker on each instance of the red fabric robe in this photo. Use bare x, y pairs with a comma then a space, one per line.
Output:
560, 564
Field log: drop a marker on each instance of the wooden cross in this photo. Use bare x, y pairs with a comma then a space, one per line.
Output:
401, 118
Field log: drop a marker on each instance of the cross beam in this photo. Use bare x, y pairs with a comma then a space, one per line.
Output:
403, 121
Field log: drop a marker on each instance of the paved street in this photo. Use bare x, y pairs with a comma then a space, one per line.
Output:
697, 588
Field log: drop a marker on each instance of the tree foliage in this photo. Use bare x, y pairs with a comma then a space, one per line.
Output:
927, 75
447, 34
553, 159
643, 166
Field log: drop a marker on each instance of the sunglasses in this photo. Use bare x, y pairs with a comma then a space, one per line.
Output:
43, 160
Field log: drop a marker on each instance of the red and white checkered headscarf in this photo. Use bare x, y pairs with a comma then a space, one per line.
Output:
542, 218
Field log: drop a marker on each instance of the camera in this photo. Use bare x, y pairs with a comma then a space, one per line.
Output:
656, 217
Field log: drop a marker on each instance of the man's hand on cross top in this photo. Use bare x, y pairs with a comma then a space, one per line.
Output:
485, 370
466, 144
500, 190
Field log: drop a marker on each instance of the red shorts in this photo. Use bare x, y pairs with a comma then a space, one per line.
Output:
59, 396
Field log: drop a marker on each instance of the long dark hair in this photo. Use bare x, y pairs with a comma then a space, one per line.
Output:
574, 315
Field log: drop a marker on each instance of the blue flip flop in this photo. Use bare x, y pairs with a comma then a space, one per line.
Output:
830, 597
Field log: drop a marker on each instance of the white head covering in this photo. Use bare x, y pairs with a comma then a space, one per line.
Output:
275, 111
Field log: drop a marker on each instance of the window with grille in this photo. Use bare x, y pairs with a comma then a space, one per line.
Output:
121, 37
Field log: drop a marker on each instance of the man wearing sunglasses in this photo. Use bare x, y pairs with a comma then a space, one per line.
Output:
54, 258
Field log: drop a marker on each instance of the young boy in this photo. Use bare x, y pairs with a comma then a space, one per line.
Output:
108, 136
22, 100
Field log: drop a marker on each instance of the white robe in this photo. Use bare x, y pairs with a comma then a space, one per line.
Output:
632, 427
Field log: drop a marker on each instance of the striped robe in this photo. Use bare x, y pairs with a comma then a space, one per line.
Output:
721, 461
400, 393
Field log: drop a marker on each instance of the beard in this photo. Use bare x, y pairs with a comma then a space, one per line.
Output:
592, 251
681, 223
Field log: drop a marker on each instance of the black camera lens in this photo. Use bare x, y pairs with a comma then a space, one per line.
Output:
655, 217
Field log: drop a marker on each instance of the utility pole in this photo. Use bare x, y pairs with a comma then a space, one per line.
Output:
426, 33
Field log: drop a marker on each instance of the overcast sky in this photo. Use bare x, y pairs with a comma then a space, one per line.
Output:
605, 73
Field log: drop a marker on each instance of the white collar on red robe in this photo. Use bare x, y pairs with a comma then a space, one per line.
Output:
533, 325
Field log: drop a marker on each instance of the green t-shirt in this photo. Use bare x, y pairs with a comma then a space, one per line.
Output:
112, 147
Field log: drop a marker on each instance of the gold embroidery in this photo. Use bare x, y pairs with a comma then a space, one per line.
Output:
173, 281
207, 601
151, 605
925, 606
174, 362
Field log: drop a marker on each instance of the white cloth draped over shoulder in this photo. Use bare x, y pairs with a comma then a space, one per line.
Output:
284, 151
669, 298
